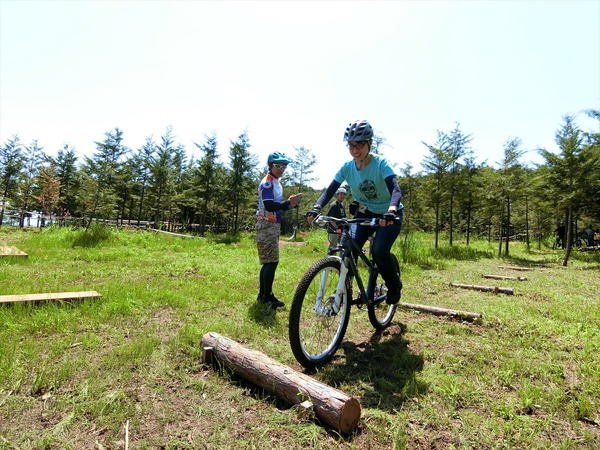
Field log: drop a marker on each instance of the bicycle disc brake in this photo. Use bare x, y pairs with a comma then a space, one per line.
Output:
328, 308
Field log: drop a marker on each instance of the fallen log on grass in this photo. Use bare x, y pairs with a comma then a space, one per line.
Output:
515, 268
329, 404
494, 289
502, 277
464, 315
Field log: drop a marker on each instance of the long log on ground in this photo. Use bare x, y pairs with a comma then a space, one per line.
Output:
464, 315
330, 405
495, 289
515, 268
502, 277
48, 296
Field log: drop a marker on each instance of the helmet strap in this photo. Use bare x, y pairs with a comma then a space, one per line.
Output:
368, 151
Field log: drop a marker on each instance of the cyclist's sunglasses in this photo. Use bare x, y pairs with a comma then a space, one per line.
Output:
280, 166
356, 145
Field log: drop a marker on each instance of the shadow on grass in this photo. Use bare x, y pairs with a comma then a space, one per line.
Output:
527, 262
384, 368
262, 314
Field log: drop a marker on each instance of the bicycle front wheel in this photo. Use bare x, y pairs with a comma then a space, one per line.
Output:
317, 323
380, 313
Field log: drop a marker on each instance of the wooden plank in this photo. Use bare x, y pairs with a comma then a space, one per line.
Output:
6, 250
48, 296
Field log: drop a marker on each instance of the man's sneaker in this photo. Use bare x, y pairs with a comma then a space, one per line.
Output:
274, 301
393, 295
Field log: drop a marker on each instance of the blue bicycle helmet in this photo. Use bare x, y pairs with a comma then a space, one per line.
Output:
278, 157
357, 131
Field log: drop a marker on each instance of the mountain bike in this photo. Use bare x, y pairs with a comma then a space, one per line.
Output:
320, 310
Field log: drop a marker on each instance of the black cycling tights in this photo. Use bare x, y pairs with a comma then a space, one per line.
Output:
267, 275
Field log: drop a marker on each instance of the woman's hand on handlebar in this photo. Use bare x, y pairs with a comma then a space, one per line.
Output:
389, 218
310, 215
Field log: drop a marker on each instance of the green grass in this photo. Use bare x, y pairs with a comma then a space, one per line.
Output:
73, 374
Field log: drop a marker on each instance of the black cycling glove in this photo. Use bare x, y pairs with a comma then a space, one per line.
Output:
314, 212
390, 217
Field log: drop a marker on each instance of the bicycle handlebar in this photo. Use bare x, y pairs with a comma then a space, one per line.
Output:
323, 221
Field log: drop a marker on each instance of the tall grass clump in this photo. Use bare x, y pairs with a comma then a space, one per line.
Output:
92, 236
417, 249
413, 251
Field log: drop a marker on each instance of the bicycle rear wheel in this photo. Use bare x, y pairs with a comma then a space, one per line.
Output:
380, 313
317, 326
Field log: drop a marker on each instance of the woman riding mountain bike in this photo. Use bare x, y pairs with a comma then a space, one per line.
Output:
320, 311
375, 188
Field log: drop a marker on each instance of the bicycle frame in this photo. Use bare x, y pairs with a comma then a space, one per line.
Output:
349, 265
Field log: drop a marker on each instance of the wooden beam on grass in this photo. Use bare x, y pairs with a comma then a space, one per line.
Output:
9, 251
48, 297
329, 404
463, 315
494, 289
502, 277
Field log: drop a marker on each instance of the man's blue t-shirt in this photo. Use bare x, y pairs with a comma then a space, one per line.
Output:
368, 184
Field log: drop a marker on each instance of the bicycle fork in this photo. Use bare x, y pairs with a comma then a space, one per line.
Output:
330, 305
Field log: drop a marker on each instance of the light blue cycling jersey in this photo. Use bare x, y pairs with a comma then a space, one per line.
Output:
368, 184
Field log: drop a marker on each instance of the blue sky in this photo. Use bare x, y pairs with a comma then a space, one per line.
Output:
296, 73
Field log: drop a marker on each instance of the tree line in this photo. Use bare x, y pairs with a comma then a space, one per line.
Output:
158, 185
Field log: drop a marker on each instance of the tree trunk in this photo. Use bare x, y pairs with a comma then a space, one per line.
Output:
330, 405
437, 221
527, 221
569, 234
469, 206
507, 224
451, 217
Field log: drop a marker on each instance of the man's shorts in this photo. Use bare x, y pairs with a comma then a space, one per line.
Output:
267, 241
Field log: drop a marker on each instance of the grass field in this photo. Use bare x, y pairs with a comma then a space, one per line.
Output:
126, 370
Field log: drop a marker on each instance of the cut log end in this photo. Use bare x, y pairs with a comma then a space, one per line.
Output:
350, 415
